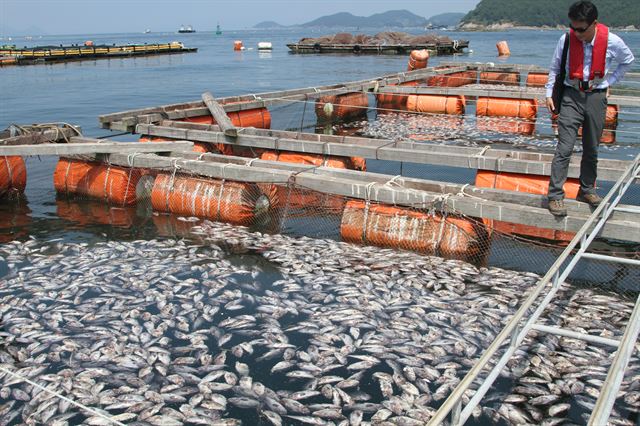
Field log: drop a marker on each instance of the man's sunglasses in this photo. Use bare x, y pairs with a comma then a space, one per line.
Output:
580, 30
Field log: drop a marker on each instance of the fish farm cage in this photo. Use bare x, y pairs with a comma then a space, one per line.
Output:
373, 252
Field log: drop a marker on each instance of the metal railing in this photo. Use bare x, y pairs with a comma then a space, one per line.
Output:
517, 332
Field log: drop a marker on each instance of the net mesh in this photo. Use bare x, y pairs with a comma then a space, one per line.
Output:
218, 300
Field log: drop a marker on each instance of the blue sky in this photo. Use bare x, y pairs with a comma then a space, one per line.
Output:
109, 16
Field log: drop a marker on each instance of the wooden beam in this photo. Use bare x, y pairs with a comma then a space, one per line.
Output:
488, 194
38, 136
376, 149
219, 115
378, 192
92, 146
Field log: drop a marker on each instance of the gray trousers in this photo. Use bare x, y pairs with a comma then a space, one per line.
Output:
586, 109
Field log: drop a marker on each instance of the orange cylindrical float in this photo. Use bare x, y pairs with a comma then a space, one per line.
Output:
237, 45
506, 78
394, 101
13, 175
436, 104
506, 115
308, 202
260, 118
197, 146
343, 107
97, 180
418, 59
531, 184
314, 159
403, 228
610, 124
503, 48
455, 79
537, 79
238, 203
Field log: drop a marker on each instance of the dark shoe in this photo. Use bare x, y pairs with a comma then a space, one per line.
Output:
593, 200
557, 208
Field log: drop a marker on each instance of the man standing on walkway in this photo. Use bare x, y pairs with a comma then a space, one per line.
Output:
584, 101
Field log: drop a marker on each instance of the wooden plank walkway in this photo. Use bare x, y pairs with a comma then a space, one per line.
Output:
373, 187
380, 149
93, 146
126, 120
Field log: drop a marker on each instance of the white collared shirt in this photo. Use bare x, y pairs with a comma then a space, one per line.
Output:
616, 49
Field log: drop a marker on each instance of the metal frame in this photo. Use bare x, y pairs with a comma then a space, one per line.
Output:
516, 332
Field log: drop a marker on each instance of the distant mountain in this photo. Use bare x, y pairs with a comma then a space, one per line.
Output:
14, 32
446, 19
392, 18
551, 13
268, 25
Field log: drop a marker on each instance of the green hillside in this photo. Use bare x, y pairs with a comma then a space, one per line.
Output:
615, 13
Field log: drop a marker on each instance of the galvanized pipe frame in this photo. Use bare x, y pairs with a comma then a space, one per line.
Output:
513, 330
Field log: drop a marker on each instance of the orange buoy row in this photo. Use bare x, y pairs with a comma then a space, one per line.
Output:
13, 175
237, 203
398, 227
455, 79
491, 113
341, 107
531, 184
436, 104
117, 185
418, 59
503, 48
393, 101
495, 77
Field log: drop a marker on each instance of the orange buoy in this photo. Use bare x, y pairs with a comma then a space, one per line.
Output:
531, 184
418, 59
455, 79
407, 229
506, 78
312, 159
97, 180
237, 45
308, 202
260, 118
13, 175
506, 115
88, 43
537, 79
238, 203
394, 101
503, 48
342, 107
197, 146
436, 104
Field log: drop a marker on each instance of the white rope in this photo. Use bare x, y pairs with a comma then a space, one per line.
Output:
250, 162
392, 181
56, 394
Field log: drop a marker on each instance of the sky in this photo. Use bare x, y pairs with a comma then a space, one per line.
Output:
55, 17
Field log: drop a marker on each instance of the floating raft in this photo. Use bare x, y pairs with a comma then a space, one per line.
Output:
42, 54
440, 48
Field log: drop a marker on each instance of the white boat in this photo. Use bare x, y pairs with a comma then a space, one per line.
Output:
187, 29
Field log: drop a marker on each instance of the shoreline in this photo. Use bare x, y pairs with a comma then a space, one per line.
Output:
473, 27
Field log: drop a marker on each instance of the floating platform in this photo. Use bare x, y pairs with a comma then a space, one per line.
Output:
440, 48
44, 54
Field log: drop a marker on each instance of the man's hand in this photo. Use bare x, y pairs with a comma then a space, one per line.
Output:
550, 105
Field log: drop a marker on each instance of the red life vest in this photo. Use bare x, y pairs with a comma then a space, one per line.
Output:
598, 61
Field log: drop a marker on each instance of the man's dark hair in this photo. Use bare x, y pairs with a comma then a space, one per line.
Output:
583, 11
